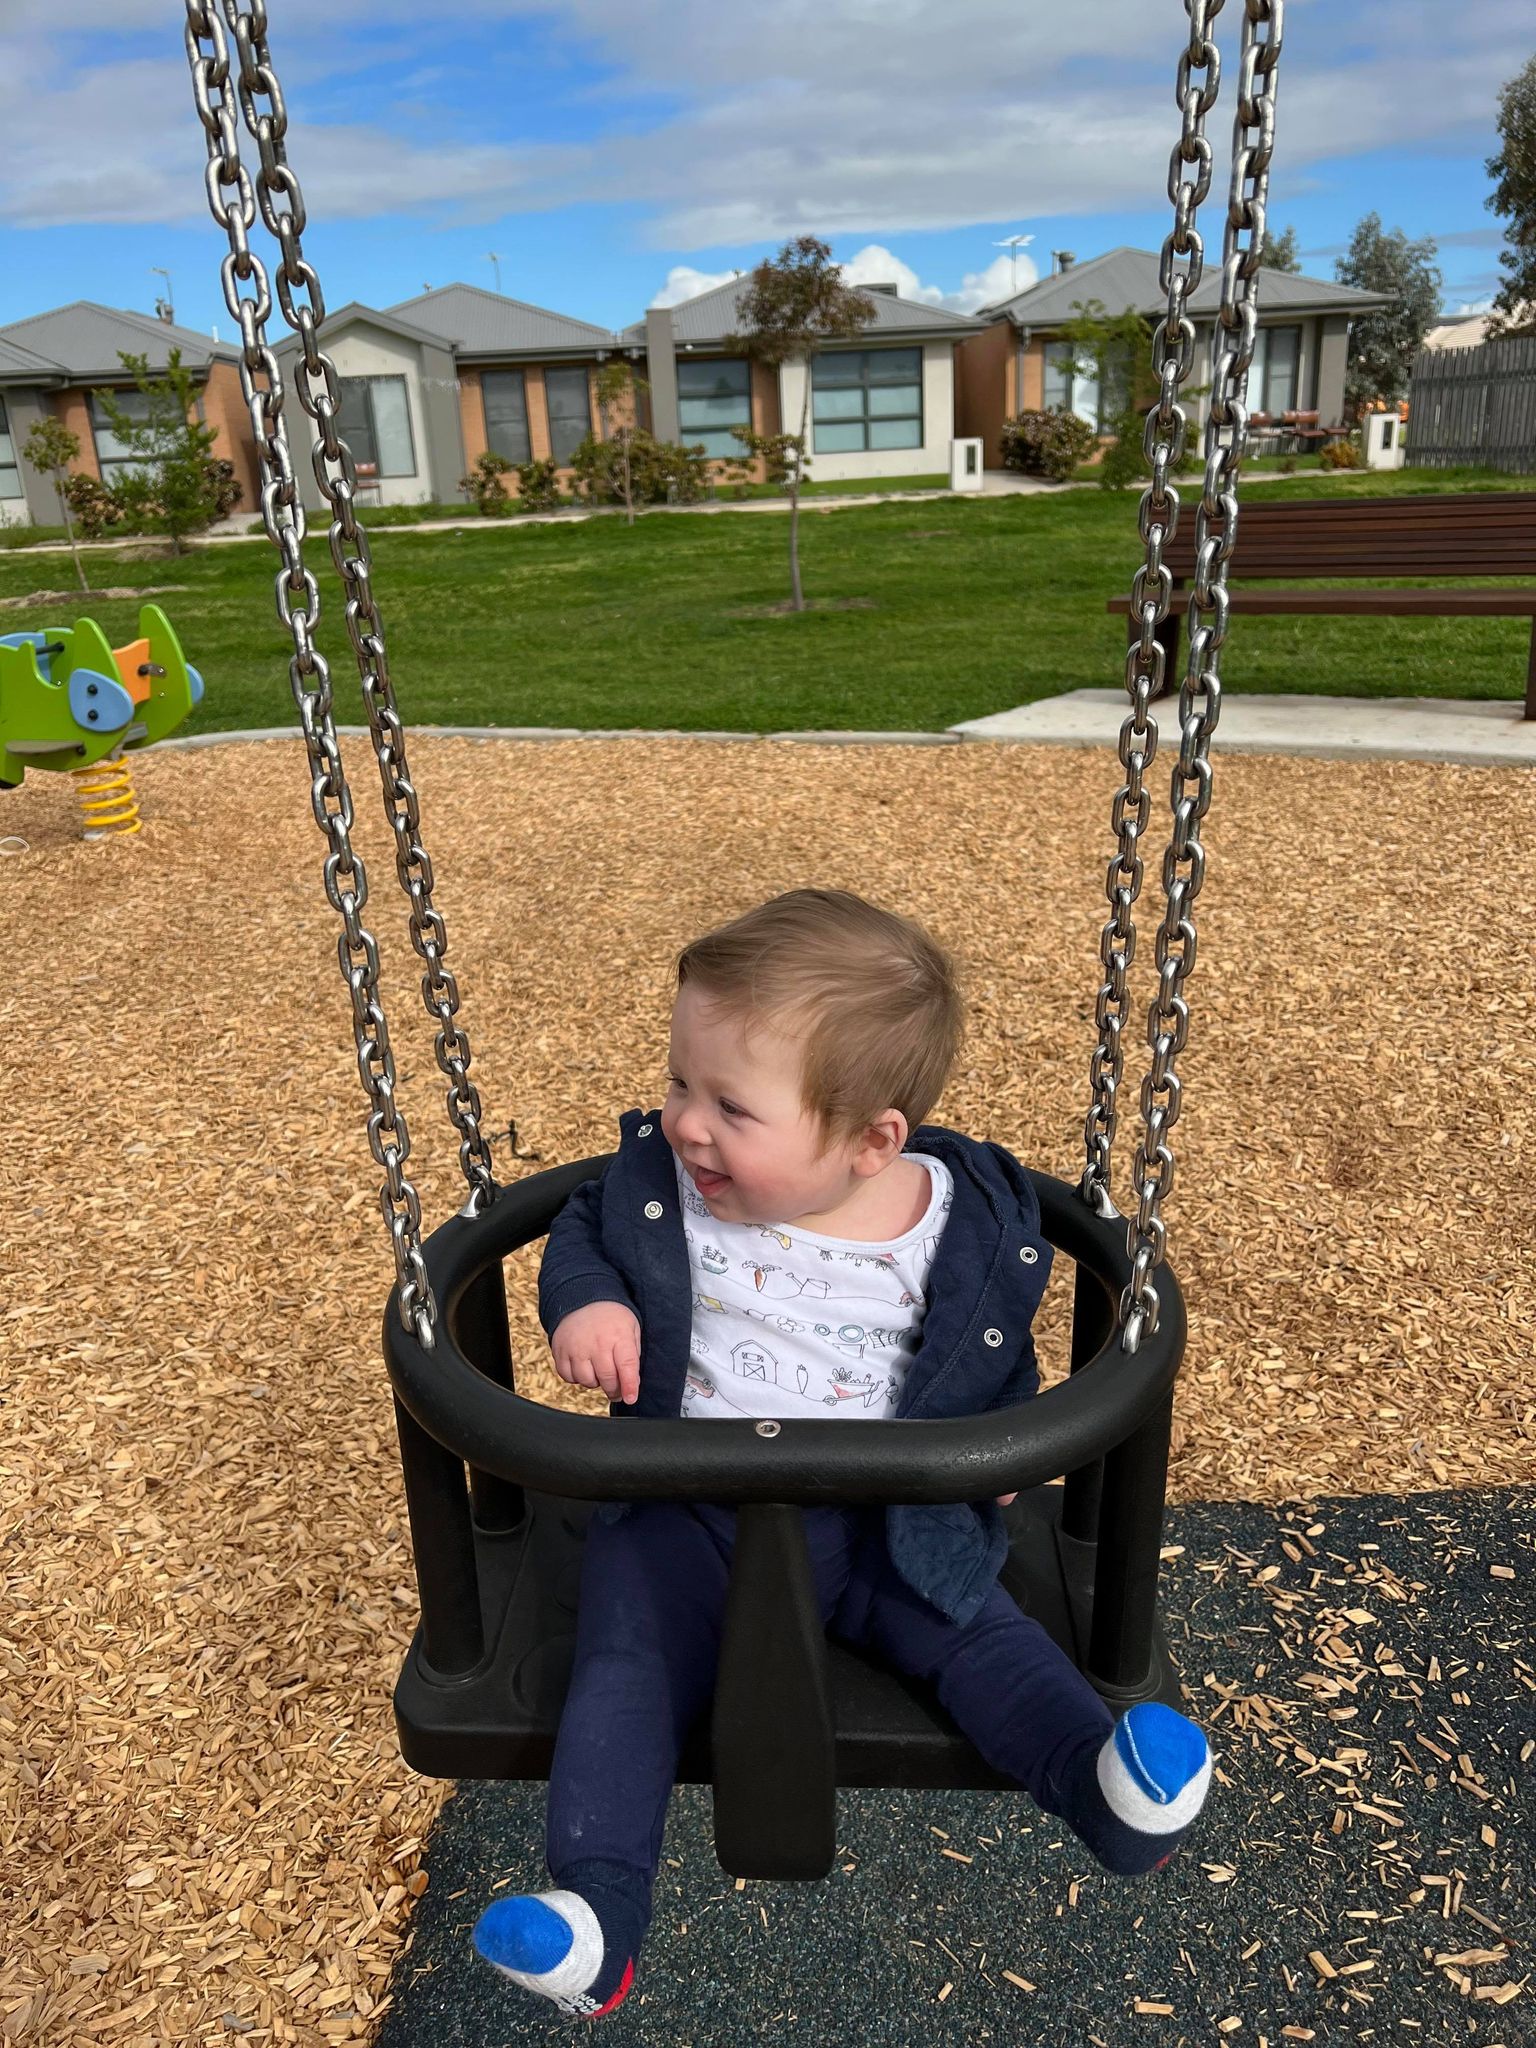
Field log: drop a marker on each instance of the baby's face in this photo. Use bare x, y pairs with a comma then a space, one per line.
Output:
735, 1117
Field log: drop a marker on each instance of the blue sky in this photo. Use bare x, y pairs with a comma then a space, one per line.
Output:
616, 151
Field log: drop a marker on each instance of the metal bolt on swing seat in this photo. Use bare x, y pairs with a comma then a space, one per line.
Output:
766, 1428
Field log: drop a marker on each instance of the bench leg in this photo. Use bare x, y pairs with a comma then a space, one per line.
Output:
1168, 640
1530, 676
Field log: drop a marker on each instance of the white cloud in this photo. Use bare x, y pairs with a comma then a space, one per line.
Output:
875, 264
840, 117
684, 282
1469, 307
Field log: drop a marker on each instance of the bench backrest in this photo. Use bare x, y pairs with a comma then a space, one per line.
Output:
1490, 533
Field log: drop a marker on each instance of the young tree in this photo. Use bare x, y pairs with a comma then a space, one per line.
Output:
618, 412
1383, 345
1282, 254
794, 304
171, 488
50, 448
1514, 303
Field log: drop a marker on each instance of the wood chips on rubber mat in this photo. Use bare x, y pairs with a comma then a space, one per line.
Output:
207, 1831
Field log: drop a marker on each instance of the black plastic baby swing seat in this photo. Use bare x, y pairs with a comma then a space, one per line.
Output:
498, 1564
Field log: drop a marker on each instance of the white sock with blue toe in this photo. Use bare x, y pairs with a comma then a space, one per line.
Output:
1155, 1769
551, 1943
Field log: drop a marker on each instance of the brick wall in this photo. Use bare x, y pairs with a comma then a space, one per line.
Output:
224, 411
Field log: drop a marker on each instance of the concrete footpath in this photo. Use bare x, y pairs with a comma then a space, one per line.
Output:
1340, 728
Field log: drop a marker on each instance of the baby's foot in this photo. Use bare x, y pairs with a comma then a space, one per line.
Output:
1155, 1770
552, 1943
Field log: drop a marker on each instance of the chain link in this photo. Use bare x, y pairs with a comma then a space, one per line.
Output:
1173, 350
303, 307
1226, 436
232, 202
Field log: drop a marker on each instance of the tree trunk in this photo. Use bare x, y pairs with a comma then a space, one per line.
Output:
69, 528
797, 595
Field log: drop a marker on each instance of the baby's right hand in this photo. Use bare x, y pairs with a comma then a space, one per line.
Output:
599, 1346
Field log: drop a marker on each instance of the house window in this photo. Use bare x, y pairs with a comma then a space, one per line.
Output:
10, 475
506, 414
1272, 380
375, 422
568, 394
1098, 402
867, 398
712, 398
110, 452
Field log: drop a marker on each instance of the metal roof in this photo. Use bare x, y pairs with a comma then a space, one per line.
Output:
482, 323
84, 340
1126, 280
21, 365
710, 319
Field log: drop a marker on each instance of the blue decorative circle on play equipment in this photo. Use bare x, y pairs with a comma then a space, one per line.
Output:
196, 682
98, 702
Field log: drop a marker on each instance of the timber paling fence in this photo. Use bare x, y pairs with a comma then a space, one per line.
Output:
1474, 405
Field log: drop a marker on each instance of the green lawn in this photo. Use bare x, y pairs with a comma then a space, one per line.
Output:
969, 606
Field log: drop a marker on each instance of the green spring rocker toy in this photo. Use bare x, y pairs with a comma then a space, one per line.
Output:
69, 701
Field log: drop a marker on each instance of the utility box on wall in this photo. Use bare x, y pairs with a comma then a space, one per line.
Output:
1386, 440
965, 465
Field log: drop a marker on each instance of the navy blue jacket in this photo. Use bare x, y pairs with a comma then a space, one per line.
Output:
620, 1238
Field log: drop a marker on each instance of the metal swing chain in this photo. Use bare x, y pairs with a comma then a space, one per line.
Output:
1226, 434
232, 202
1173, 350
315, 380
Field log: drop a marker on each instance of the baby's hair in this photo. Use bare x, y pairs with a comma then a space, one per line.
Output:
873, 997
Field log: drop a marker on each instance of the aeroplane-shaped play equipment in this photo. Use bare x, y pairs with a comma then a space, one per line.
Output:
68, 700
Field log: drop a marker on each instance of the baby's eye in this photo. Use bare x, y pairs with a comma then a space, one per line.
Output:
731, 1108
673, 1082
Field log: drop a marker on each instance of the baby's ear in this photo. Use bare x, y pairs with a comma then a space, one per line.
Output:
882, 1141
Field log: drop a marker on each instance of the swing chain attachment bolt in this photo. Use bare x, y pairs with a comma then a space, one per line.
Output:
766, 1428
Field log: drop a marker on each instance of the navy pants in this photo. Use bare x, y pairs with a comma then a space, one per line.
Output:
648, 1641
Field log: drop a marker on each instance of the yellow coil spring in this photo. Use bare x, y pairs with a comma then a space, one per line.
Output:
107, 799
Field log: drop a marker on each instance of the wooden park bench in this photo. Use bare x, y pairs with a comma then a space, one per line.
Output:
1489, 533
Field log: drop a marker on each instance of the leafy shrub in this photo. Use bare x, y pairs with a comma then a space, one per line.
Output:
660, 472
1339, 454
538, 487
1287, 465
484, 484
1048, 444
223, 489
92, 506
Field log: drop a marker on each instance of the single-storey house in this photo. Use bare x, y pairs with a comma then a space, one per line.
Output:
430, 384
51, 363
1021, 361
882, 404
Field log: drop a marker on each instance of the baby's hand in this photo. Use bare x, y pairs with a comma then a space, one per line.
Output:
599, 1346
1006, 1500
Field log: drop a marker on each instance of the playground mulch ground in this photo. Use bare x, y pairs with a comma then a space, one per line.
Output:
206, 1833
1361, 1874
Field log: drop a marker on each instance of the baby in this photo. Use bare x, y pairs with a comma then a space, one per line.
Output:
784, 1240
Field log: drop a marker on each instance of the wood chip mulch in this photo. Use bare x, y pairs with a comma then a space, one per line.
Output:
205, 1829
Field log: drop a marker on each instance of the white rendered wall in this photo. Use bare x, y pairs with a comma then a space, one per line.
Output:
931, 459
360, 352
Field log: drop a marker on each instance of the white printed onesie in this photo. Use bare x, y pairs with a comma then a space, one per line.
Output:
787, 1322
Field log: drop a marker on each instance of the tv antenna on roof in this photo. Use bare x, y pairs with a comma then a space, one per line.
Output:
495, 261
164, 309
1014, 243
